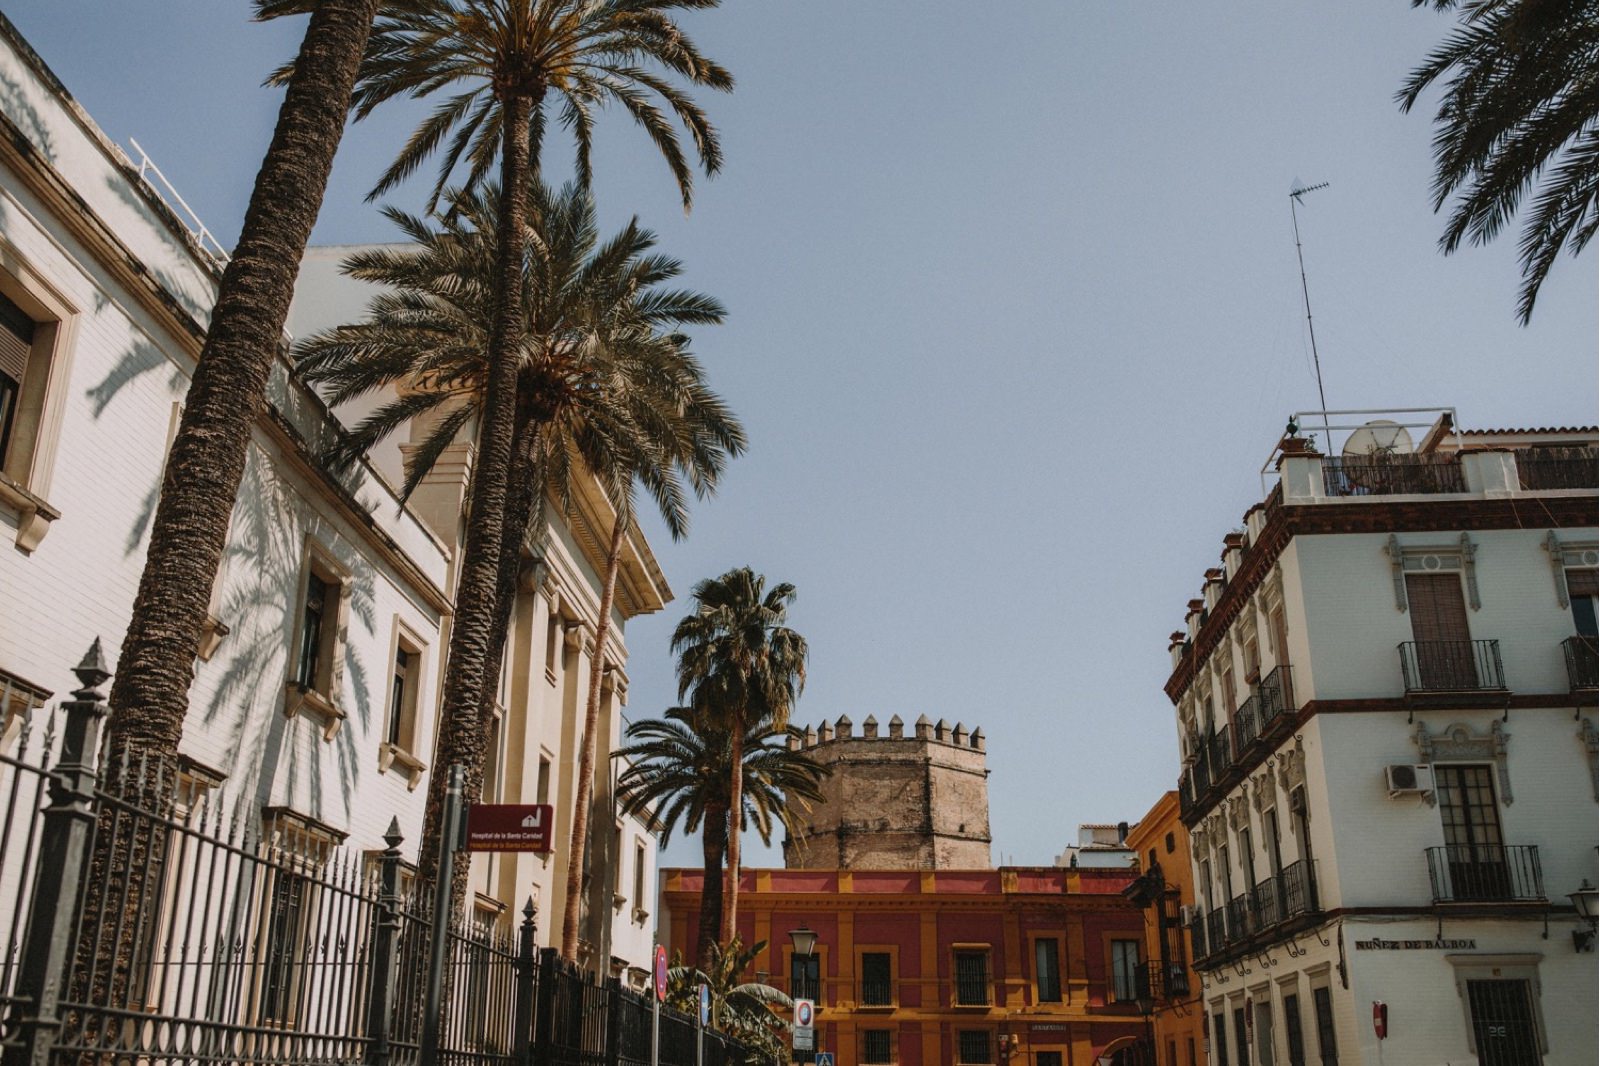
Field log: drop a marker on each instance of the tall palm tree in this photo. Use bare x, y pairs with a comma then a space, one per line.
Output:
680, 767
512, 60
738, 660
604, 386
1518, 114
205, 464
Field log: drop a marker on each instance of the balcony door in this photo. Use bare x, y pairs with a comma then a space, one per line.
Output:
1475, 854
1439, 627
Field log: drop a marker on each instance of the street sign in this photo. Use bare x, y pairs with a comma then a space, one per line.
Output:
824, 1058
510, 826
661, 972
805, 1012
705, 1006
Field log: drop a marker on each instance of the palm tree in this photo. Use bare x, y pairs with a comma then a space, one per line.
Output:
1518, 114
509, 58
742, 1009
739, 661
206, 462
680, 767
603, 387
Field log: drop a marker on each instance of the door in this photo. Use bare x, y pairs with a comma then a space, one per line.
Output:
1475, 856
1443, 648
1264, 1033
1502, 1023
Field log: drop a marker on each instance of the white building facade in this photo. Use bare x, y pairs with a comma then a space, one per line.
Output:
316, 693
1386, 707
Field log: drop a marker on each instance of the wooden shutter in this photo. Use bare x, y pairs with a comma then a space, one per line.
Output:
1438, 610
1581, 583
16, 339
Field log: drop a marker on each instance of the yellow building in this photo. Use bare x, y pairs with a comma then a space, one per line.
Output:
1166, 889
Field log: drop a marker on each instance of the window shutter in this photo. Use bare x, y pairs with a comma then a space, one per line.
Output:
16, 338
1438, 609
1581, 583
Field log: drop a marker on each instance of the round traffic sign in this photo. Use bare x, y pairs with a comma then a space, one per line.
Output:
802, 1013
661, 973
705, 1006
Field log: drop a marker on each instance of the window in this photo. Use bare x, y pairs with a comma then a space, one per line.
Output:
1172, 1053
1219, 1032
805, 977
35, 344
877, 979
1444, 658
1047, 1058
1264, 1042
1172, 844
1241, 1036
1247, 857
972, 982
1047, 969
639, 911
1322, 1005
877, 1047
1475, 859
313, 628
1291, 1030
1124, 971
1581, 593
972, 1046
1502, 1023
1193, 1060
16, 344
552, 648
1230, 695
1269, 823
541, 788
285, 920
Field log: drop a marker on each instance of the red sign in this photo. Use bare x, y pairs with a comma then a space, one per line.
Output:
510, 826
661, 972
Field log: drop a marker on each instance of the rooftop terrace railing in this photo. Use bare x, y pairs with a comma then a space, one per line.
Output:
1391, 475
1558, 468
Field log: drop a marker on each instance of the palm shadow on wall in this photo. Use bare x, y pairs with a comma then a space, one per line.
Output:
262, 566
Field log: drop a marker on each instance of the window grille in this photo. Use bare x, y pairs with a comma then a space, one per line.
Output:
973, 1047
876, 1047
877, 981
972, 979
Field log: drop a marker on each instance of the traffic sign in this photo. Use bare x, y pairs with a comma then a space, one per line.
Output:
804, 1012
705, 1006
661, 972
509, 826
824, 1058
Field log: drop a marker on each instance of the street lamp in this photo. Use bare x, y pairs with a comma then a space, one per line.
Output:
805, 945
1583, 901
804, 940
1146, 1002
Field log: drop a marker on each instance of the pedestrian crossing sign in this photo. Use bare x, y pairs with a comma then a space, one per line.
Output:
824, 1058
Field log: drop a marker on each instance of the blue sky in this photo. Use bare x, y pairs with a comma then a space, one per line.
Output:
1015, 320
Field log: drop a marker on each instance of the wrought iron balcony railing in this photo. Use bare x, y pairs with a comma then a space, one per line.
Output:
1246, 724
1451, 665
1486, 873
1219, 753
1392, 475
1276, 699
1581, 662
1257, 916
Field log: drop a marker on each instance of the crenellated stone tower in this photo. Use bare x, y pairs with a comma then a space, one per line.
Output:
894, 802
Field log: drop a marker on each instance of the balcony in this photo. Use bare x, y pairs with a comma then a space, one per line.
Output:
1247, 725
1220, 756
1486, 873
1270, 911
1392, 475
1451, 666
1580, 655
1275, 698
1557, 468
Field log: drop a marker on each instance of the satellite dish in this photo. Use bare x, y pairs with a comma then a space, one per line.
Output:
1379, 437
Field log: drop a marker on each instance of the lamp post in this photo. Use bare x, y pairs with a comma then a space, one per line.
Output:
1583, 901
804, 940
1146, 1002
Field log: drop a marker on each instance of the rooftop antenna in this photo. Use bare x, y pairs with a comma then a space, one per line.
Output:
1296, 191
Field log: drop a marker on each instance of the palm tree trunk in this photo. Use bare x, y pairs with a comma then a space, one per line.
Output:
468, 670
150, 697
713, 842
586, 757
730, 913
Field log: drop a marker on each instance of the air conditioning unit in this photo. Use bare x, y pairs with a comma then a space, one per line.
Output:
1406, 778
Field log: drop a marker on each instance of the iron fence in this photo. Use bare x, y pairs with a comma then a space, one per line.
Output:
146, 921
1582, 661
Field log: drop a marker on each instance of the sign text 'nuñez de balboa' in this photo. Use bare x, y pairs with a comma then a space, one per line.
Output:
509, 826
